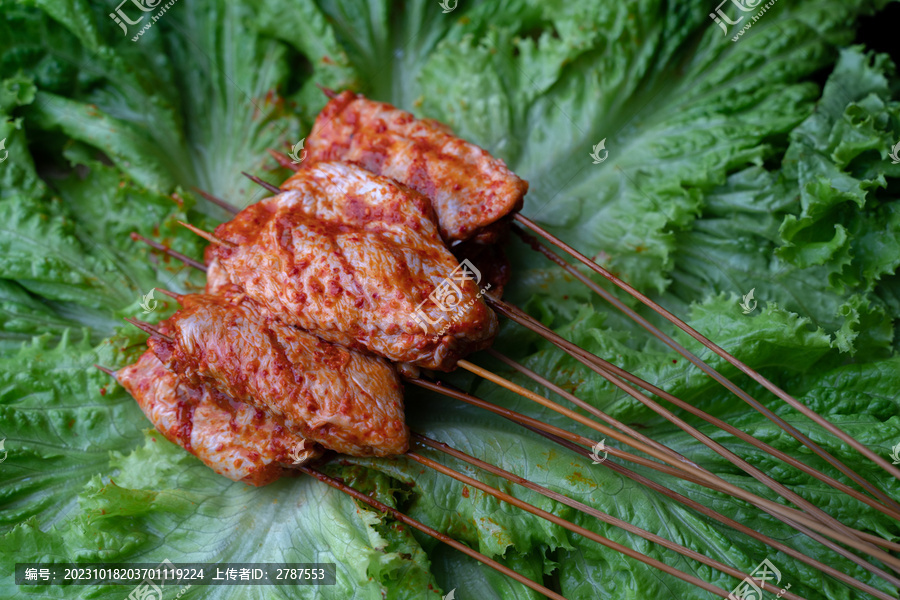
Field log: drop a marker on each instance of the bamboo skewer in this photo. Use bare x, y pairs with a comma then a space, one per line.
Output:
607, 370
722, 425
829, 522
284, 160
207, 236
406, 520
169, 252
149, 329
793, 402
568, 396
700, 473
182, 257
265, 184
567, 525
604, 517
699, 363
218, 201
544, 428
708, 512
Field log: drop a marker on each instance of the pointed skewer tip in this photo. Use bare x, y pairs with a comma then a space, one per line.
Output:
284, 160
207, 235
258, 181
149, 329
327, 91
105, 370
173, 295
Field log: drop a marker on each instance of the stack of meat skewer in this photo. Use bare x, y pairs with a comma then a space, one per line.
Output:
378, 259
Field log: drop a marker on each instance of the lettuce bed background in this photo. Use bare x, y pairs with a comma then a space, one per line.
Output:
758, 164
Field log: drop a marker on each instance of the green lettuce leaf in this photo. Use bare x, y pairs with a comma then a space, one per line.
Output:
728, 170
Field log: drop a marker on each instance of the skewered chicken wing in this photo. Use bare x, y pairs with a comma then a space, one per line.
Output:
356, 259
469, 188
344, 400
236, 440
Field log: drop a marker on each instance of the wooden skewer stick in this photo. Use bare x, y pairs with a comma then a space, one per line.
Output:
831, 526
722, 425
793, 402
567, 525
699, 363
572, 440
284, 160
265, 184
327, 91
168, 251
208, 236
607, 370
406, 520
604, 517
109, 372
218, 201
682, 471
708, 512
172, 295
148, 328
182, 257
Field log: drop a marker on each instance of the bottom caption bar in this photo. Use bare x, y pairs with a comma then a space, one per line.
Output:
169, 573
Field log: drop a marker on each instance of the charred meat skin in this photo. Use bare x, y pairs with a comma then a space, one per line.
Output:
469, 188
236, 440
357, 260
344, 400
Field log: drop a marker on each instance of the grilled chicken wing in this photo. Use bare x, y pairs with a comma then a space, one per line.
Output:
356, 259
468, 187
236, 440
346, 401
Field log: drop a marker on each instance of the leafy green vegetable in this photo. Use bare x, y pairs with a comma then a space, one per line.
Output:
728, 169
